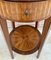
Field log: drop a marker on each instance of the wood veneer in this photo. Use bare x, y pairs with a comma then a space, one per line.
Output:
25, 39
25, 12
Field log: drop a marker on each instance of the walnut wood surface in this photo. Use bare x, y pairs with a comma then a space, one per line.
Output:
25, 38
36, 11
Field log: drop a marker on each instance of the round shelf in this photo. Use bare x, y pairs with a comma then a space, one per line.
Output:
25, 39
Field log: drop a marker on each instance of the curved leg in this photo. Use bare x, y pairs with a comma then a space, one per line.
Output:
44, 34
36, 25
6, 34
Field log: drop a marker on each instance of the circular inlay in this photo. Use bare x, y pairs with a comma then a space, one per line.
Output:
25, 39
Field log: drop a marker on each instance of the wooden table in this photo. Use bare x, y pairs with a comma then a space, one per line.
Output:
25, 11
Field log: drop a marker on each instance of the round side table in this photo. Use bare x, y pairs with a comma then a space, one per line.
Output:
25, 39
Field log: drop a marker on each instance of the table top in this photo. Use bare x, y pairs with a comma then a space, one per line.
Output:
25, 0
25, 12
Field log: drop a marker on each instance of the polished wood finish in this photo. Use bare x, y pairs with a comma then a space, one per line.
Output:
24, 0
25, 12
13, 25
6, 34
44, 34
25, 38
36, 25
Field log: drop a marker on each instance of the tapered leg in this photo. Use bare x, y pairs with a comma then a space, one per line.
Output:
44, 34
13, 25
6, 34
36, 25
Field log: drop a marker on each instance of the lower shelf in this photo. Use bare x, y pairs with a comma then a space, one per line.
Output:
25, 39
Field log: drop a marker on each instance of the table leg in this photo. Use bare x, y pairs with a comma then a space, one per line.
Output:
36, 25
44, 34
13, 25
6, 34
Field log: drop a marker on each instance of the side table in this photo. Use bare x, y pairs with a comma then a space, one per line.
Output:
25, 39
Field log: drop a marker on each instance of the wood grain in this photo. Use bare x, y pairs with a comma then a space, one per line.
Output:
16, 11
25, 38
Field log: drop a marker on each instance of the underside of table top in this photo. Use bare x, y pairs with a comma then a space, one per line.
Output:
24, 0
